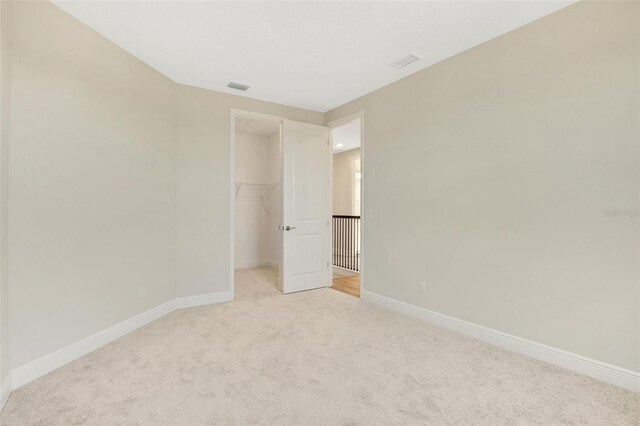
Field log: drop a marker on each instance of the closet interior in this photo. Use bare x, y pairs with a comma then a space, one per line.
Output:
257, 194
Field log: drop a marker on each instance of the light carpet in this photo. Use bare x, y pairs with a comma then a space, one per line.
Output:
313, 358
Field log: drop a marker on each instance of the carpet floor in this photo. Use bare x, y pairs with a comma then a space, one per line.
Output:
319, 357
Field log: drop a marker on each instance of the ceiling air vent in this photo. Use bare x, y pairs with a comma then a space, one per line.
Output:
403, 62
238, 86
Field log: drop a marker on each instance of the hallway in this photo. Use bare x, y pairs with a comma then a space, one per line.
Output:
347, 285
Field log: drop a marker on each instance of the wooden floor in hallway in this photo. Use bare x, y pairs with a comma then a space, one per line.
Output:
348, 285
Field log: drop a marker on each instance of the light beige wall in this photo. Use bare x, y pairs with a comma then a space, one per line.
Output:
488, 176
343, 181
119, 178
203, 183
5, 86
91, 183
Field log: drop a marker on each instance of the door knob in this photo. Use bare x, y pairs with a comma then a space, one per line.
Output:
289, 228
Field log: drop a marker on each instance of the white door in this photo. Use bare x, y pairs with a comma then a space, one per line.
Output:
306, 249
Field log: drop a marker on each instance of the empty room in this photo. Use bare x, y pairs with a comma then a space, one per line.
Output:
319, 212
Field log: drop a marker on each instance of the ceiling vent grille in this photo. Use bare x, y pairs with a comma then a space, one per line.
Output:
238, 86
407, 60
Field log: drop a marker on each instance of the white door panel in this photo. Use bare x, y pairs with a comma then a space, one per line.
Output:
306, 206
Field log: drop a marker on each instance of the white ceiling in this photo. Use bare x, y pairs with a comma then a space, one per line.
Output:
347, 135
316, 55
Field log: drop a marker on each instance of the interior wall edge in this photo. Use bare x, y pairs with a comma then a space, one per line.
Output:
5, 100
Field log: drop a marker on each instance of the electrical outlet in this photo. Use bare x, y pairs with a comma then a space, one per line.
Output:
369, 214
422, 287
142, 292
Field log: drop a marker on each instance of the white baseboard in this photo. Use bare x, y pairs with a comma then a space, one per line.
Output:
255, 264
203, 299
5, 391
589, 367
22, 375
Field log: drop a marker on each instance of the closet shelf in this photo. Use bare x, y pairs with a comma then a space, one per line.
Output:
268, 186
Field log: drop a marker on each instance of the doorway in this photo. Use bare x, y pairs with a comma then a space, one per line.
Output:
257, 204
280, 203
347, 205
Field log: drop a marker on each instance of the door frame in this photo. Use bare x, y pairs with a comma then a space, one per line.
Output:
238, 113
363, 213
